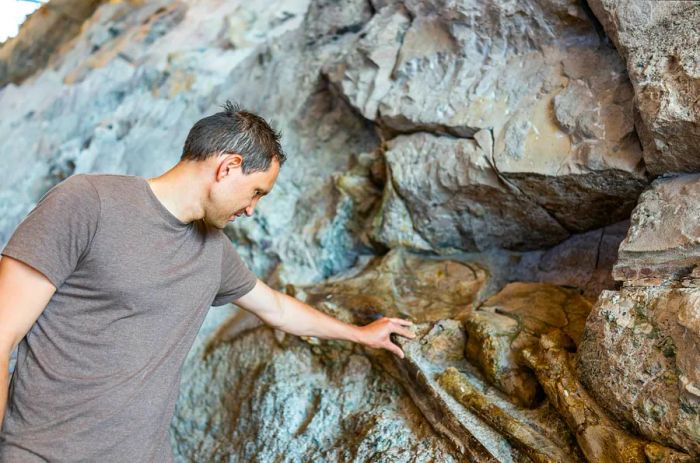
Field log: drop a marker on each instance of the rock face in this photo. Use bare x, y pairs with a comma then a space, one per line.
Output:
639, 353
252, 393
662, 242
42, 34
492, 158
513, 320
639, 358
254, 398
659, 41
370, 90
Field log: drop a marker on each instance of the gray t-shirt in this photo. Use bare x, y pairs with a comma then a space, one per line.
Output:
98, 374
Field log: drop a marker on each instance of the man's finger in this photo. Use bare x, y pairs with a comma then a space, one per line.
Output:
401, 321
404, 332
394, 348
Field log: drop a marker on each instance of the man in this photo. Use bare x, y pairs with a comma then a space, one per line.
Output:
105, 284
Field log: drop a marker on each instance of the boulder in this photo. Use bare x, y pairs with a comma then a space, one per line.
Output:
600, 438
540, 143
513, 320
639, 359
663, 241
256, 396
659, 42
405, 285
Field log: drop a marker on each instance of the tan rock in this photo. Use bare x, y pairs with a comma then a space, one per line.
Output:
639, 359
513, 320
600, 438
491, 428
403, 285
538, 448
42, 35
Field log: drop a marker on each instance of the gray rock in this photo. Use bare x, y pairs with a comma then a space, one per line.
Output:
639, 359
455, 198
445, 128
562, 127
664, 235
659, 42
254, 397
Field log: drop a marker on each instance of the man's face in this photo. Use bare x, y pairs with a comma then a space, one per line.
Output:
234, 193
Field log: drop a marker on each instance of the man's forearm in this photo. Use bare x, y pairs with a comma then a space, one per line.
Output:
298, 318
295, 317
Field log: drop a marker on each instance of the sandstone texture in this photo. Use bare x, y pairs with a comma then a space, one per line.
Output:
639, 356
513, 320
662, 242
659, 42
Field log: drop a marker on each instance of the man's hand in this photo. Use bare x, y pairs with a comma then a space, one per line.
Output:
378, 333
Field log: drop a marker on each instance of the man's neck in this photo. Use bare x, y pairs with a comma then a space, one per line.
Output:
180, 191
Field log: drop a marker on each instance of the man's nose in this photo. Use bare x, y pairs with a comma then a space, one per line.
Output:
249, 209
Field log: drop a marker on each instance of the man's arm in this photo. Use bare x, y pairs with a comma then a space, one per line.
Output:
293, 316
24, 293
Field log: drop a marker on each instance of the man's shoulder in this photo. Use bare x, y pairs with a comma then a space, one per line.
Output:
99, 178
103, 183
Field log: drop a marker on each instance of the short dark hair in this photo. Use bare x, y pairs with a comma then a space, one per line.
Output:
234, 131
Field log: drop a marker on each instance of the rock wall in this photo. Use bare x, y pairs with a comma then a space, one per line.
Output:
471, 165
659, 42
639, 354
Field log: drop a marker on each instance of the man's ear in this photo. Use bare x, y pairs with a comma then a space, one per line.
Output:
227, 164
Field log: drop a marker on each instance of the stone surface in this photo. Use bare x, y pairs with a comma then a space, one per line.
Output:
664, 235
583, 261
600, 438
490, 428
254, 398
514, 319
44, 33
456, 200
639, 358
529, 442
659, 42
540, 142
404, 285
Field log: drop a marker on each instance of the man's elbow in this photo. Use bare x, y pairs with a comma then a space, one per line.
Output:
273, 313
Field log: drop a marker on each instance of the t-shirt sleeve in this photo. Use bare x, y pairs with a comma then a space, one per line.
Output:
236, 279
58, 232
